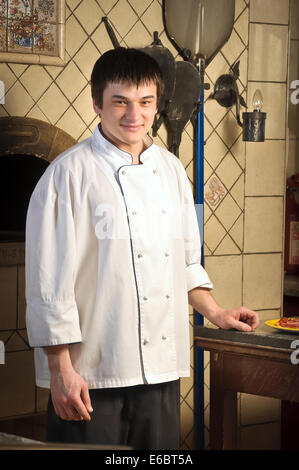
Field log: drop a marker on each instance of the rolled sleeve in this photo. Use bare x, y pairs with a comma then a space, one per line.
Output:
197, 276
51, 311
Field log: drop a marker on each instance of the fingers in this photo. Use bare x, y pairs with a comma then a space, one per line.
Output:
72, 408
86, 399
250, 317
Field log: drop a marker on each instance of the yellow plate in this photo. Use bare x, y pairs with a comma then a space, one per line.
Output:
275, 324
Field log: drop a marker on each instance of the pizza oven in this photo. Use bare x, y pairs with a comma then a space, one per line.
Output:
27, 146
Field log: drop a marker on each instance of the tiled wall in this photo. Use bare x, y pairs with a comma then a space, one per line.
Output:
244, 184
244, 237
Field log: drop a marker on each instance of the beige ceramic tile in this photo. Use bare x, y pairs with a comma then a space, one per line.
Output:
87, 50
228, 171
7, 76
233, 48
71, 123
269, 11
138, 36
265, 166
17, 101
107, 5
207, 171
240, 5
213, 233
238, 151
215, 150
218, 66
36, 113
8, 297
123, 17
268, 52
262, 281
36, 80
71, 81
186, 149
213, 111
53, 104
74, 37
83, 104
226, 275
241, 26
264, 224
236, 232
89, 14
228, 129
274, 104
227, 247
228, 212
152, 18
17, 384
237, 191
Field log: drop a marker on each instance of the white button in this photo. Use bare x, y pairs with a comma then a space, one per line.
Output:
134, 212
164, 337
166, 253
155, 171
144, 298
167, 296
139, 255
164, 211
145, 341
123, 172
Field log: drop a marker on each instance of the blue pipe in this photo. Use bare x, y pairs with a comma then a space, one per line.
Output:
199, 200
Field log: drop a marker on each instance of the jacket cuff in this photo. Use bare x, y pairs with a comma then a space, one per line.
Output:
50, 325
196, 276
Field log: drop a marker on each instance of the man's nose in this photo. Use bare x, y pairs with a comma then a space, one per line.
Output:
132, 111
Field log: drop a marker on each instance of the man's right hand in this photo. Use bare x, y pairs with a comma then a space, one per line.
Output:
69, 391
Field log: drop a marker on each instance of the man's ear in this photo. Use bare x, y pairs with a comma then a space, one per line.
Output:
96, 107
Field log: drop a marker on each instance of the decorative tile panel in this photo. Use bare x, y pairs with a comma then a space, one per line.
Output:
31, 30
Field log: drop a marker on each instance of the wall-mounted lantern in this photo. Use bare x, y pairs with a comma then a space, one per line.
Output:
226, 94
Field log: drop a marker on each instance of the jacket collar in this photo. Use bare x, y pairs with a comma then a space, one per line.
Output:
115, 157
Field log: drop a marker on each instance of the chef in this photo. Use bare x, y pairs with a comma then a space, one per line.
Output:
113, 258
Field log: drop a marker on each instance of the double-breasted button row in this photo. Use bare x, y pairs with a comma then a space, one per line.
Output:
146, 341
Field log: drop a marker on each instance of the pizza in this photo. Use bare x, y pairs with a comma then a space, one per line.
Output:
289, 322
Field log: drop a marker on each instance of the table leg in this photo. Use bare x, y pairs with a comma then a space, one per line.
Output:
223, 408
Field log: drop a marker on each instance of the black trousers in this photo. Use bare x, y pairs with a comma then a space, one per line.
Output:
142, 417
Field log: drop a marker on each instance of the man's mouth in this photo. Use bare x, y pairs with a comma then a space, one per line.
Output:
132, 127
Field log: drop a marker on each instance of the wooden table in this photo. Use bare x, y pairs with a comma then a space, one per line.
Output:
258, 363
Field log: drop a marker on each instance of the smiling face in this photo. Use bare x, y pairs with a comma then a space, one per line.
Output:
127, 114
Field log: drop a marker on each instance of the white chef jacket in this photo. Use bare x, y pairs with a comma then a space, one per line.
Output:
112, 249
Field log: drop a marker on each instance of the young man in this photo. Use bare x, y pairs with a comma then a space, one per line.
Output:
112, 260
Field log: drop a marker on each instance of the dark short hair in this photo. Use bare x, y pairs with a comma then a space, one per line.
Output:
124, 65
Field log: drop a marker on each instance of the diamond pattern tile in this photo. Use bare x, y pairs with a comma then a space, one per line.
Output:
75, 35
48, 103
71, 81
123, 17
89, 15
228, 212
228, 171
